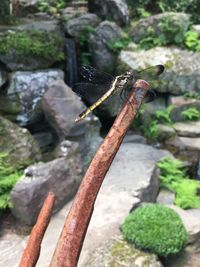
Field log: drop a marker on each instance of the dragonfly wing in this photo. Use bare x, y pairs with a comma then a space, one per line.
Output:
94, 76
90, 92
150, 96
150, 73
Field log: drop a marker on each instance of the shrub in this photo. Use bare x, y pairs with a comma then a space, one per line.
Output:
8, 178
191, 114
155, 228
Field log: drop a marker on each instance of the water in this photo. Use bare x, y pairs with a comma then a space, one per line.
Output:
71, 62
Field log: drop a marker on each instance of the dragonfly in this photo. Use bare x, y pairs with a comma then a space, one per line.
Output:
102, 86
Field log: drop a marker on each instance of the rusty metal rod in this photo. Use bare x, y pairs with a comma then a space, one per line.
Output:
32, 250
71, 239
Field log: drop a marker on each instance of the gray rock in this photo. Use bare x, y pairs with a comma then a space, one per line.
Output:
102, 56
23, 100
76, 26
61, 176
116, 10
189, 129
117, 252
190, 221
196, 28
134, 138
18, 145
165, 132
182, 72
19, 58
165, 197
176, 114
180, 22
186, 148
74, 9
61, 106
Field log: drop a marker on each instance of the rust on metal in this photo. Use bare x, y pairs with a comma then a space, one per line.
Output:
32, 250
71, 239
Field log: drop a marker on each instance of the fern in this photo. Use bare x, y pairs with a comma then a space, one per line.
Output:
191, 114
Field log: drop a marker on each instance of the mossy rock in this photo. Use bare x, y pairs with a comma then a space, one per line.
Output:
31, 49
155, 228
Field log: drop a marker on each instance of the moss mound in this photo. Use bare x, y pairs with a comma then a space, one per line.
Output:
43, 44
155, 228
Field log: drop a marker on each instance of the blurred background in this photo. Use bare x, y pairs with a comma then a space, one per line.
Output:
43, 45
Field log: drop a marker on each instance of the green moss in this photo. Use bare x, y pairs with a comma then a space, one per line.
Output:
155, 228
8, 178
33, 43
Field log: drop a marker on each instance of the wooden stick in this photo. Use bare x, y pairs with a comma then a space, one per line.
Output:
71, 239
32, 250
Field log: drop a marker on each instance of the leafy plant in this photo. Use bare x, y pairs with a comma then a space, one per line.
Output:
83, 39
191, 114
8, 178
53, 7
156, 228
171, 172
173, 177
192, 41
163, 116
117, 45
192, 95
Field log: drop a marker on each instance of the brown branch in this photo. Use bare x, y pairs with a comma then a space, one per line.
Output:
32, 250
70, 242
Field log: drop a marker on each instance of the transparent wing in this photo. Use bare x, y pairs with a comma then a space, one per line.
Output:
94, 76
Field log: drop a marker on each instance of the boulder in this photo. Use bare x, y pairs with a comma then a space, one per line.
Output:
61, 176
182, 68
18, 145
115, 10
165, 132
189, 129
102, 56
76, 26
61, 106
22, 102
117, 252
159, 26
31, 49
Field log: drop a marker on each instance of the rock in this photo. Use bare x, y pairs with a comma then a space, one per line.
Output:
75, 8
165, 197
189, 129
61, 176
165, 132
181, 100
44, 139
76, 26
115, 10
131, 137
31, 49
22, 103
117, 252
182, 68
189, 257
190, 221
18, 145
61, 106
24, 7
185, 148
176, 114
157, 25
198, 171
129, 180
102, 56
196, 28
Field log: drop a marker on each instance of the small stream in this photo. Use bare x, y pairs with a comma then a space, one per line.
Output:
70, 62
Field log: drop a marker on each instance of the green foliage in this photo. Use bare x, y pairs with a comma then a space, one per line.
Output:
36, 43
192, 41
192, 95
163, 116
83, 39
8, 178
51, 8
191, 114
173, 177
117, 45
171, 172
155, 228
159, 6
187, 194
170, 32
